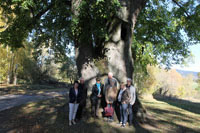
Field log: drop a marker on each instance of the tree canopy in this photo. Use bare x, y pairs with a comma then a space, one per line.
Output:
164, 30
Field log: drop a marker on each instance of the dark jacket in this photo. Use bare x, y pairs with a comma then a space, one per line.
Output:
94, 96
72, 96
126, 96
83, 90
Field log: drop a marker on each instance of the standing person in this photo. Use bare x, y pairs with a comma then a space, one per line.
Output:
110, 97
132, 99
107, 84
74, 100
123, 100
108, 80
95, 97
82, 104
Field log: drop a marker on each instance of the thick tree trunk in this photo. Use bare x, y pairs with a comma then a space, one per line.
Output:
118, 56
85, 65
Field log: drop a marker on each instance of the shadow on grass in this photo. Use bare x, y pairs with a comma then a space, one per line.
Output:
166, 120
193, 107
178, 128
52, 116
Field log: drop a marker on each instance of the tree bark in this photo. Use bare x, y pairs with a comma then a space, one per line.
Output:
10, 76
85, 65
15, 75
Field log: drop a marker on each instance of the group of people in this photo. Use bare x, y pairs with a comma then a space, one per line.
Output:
103, 95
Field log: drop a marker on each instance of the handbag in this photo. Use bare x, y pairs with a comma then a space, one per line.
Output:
109, 111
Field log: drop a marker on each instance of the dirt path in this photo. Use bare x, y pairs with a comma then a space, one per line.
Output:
10, 100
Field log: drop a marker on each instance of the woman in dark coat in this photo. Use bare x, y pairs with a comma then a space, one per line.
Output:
97, 91
75, 97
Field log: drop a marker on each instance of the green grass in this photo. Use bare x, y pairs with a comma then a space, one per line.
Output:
173, 115
52, 116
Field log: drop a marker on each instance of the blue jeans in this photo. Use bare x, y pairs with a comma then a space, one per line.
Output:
123, 113
130, 110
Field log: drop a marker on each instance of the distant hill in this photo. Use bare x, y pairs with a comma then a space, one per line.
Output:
185, 73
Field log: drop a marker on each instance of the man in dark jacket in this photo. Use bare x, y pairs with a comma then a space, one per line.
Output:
82, 104
97, 91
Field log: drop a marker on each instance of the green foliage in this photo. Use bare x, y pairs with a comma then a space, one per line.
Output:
68, 70
163, 32
181, 92
4, 64
162, 35
27, 68
93, 17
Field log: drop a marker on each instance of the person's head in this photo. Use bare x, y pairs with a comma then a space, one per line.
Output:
98, 80
129, 81
76, 84
82, 80
122, 85
110, 75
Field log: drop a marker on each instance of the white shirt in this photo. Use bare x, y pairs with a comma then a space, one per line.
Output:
76, 92
133, 95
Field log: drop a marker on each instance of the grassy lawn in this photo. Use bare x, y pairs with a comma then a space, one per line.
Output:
173, 115
52, 116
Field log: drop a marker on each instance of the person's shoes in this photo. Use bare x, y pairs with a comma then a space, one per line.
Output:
111, 120
123, 125
73, 122
120, 123
70, 123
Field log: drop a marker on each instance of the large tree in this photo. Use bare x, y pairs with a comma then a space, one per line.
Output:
102, 31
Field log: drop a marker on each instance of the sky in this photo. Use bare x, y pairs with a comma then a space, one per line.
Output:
192, 65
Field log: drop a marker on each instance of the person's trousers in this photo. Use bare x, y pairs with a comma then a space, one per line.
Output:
95, 108
123, 113
80, 110
130, 110
72, 110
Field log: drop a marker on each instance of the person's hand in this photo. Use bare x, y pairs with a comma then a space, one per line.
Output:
99, 95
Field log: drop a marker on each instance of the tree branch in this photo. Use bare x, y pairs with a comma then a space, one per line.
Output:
42, 12
181, 7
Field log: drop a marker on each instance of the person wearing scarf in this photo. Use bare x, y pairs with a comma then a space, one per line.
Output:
96, 96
